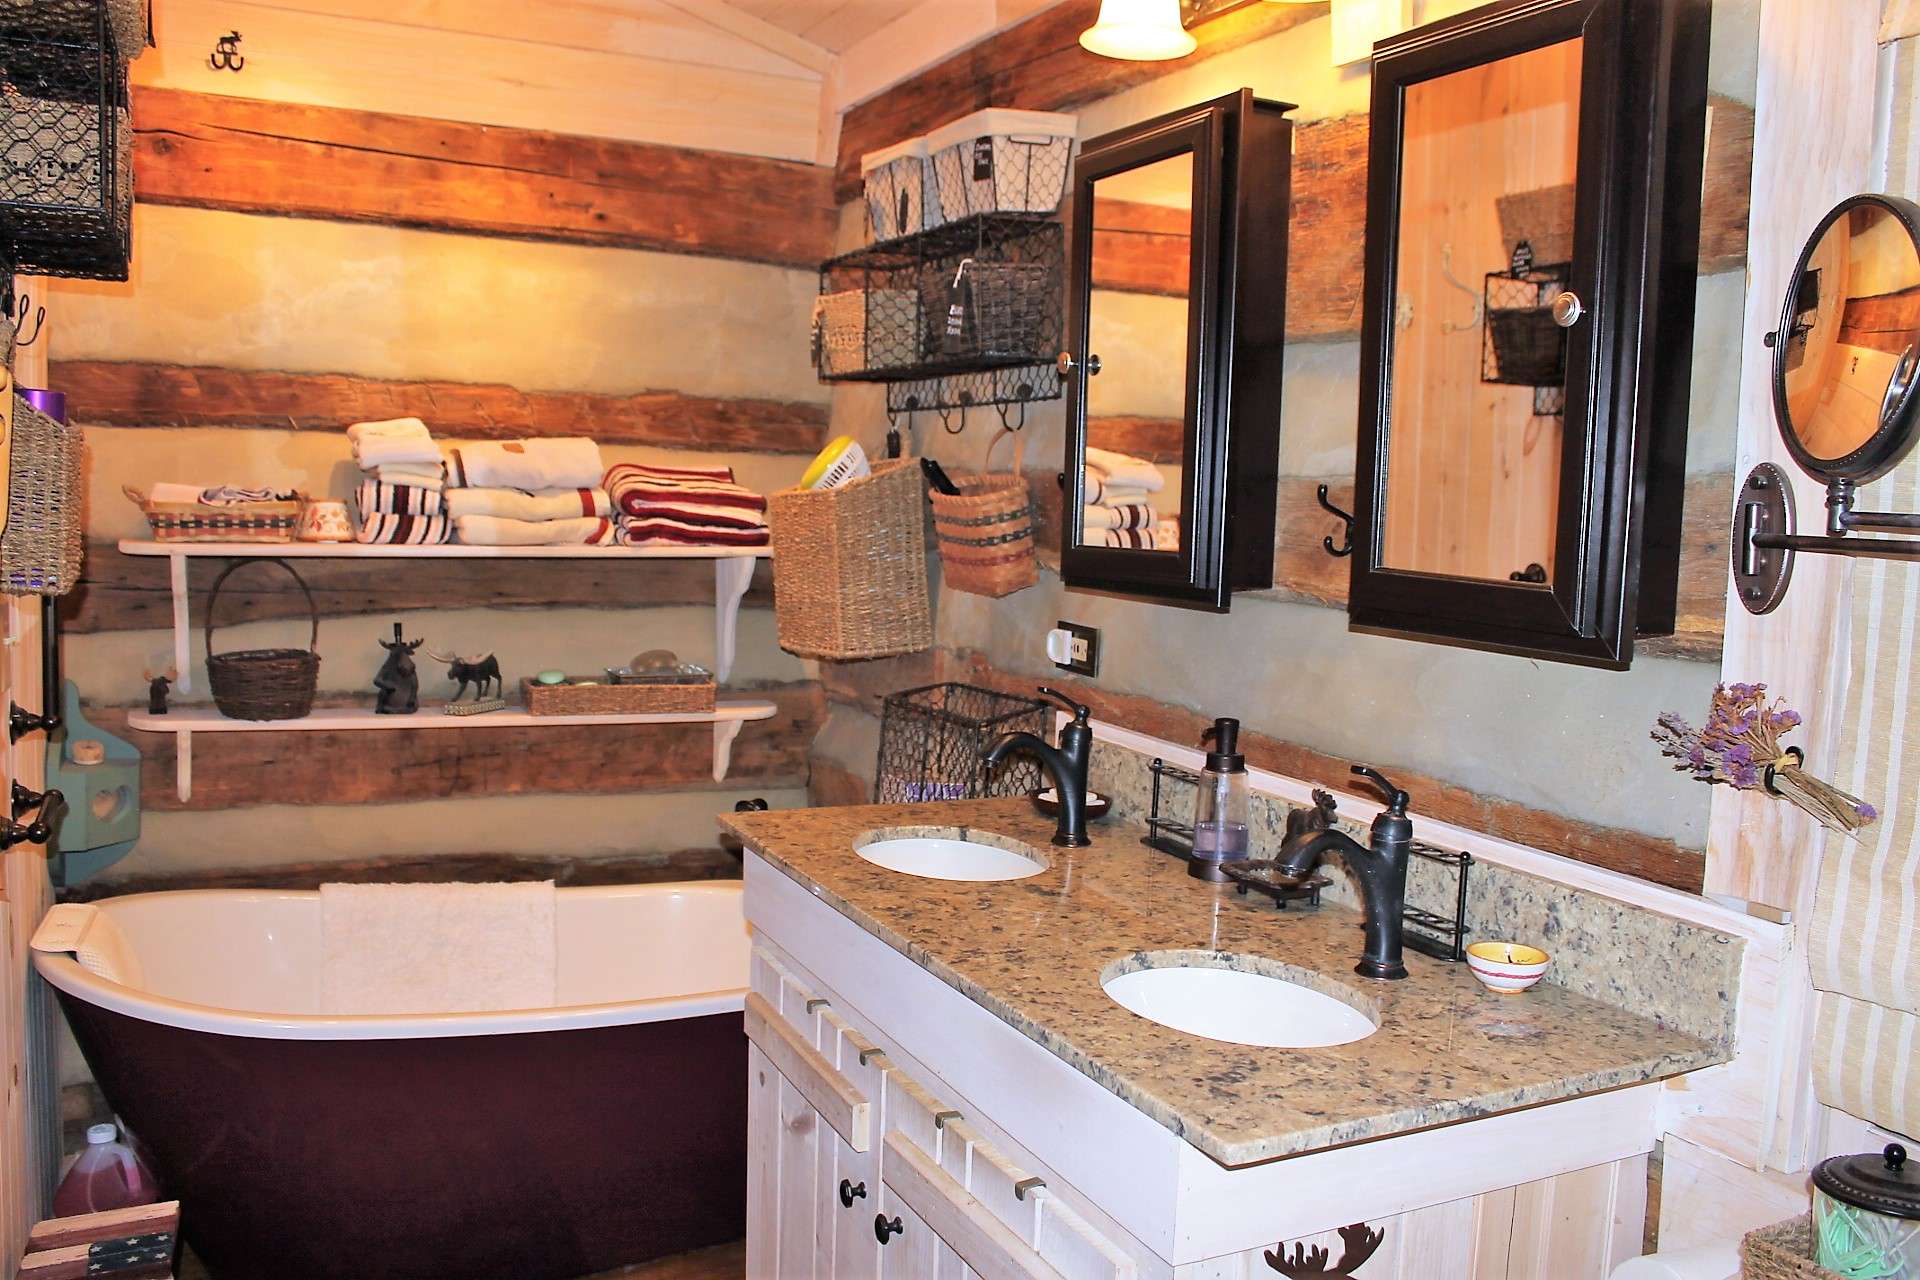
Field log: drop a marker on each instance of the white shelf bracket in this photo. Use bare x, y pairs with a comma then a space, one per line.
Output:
183, 765
182, 657
731, 578
724, 732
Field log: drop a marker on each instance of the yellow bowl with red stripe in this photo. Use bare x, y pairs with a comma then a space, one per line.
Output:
1507, 967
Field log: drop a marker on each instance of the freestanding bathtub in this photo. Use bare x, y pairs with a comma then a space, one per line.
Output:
542, 1143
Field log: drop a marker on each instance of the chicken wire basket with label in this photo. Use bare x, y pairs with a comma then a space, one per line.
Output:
66, 137
931, 740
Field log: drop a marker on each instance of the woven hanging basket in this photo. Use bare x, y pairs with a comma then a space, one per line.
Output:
986, 531
45, 538
263, 684
850, 566
1783, 1251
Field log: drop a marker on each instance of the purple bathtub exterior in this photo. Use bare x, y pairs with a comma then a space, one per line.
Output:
537, 1156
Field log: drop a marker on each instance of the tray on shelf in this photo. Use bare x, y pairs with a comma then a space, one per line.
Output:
690, 693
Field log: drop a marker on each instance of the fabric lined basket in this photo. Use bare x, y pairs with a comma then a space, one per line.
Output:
44, 543
1783, 1251
986, 531
850, 566
205, 522
263, 684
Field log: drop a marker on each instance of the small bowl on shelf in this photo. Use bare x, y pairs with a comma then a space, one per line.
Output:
1507, 967
1049, 803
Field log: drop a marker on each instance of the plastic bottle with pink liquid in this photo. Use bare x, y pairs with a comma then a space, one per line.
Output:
109, 1174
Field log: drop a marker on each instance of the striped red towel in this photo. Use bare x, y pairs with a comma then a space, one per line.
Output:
693, 495
661, 532
374, 497
391, 528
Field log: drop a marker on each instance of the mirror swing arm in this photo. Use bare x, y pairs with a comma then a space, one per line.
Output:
1765, 537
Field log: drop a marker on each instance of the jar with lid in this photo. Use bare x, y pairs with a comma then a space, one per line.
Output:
1866, 1214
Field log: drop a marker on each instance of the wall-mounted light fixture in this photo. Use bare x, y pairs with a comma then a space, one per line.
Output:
1155, 30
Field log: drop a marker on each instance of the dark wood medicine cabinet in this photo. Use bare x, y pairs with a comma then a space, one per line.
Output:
1176, 312
1533, 213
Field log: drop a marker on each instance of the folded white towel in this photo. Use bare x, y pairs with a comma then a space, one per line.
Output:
1132, 515
1125, 469
390, 429
518, 504
413, 475
1098, 491
437, 948
571, 462
224, 495
494, 531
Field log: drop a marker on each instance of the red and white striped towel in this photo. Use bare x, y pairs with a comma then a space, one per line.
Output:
692, 495
401, 529
663, 532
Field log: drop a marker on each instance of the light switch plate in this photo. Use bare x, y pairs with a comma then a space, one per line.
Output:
1080, 650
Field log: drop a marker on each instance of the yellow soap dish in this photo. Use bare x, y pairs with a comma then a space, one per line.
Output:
1507, 967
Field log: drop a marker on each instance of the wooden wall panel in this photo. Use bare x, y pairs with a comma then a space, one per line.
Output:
210, 152
129, 593
239, 770
131, 394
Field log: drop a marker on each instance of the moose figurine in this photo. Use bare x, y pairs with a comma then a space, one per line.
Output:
397, 682
481, 670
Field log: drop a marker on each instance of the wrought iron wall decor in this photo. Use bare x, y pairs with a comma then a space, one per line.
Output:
1846, 395
226, 55
1359, 1242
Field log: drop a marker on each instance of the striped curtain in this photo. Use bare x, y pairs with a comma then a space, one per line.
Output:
1864, 946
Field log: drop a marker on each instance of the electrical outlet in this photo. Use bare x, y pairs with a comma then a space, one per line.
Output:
1075, 647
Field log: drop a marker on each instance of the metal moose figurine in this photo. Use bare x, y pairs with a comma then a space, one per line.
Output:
1359, 1242
397, 683
482, 670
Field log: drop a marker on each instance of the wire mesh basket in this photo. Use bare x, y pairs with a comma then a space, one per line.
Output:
931, 739
66, 141
980, 294
1524, 347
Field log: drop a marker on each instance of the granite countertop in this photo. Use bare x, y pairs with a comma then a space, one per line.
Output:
1034, 953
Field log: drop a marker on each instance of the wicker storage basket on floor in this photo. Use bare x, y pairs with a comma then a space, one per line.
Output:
986, 532
41, 550
850, 566
1783, 1251
263, 684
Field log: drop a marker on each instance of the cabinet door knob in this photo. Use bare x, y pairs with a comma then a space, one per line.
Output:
1567, 309
851, 1191
1066, 364
885, 1229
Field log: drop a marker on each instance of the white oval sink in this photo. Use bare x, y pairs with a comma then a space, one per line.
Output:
941, 859
1239, 1007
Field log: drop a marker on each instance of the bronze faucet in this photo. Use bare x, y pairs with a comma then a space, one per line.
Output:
1381, 870
1067, 764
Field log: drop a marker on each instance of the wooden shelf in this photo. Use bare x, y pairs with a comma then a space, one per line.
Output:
184, 722
732, 574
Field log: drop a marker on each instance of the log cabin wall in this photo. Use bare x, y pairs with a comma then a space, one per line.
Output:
1553, 755
602, 222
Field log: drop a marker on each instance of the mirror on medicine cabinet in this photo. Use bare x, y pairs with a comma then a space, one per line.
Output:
1177, 327
1533, 216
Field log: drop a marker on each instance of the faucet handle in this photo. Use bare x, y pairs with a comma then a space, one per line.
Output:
1396, 798
1080, 710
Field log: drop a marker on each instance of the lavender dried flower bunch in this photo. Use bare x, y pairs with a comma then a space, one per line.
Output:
1740, 747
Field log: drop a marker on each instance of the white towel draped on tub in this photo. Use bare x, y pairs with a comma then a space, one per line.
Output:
437, 948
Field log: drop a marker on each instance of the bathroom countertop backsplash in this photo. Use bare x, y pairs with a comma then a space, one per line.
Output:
1683, 975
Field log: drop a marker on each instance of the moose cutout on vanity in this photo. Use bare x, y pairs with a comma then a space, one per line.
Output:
1360, 1242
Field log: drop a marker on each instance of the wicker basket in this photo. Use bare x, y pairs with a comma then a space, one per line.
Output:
263, 684
41, 550
617, 699
1783, 1251
204, 522
850, 566
986, 532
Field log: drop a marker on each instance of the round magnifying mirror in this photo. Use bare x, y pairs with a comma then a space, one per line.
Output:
1848, 346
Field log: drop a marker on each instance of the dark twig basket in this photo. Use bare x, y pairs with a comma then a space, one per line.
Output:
263, 684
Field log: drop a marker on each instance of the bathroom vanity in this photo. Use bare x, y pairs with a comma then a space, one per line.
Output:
941, 1084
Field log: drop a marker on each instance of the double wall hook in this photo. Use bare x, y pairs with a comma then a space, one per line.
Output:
19, 318
1346, 544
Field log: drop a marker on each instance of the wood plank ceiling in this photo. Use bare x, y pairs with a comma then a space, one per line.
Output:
834, 25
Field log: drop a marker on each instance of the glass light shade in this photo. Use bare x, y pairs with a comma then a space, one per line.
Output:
1139, 31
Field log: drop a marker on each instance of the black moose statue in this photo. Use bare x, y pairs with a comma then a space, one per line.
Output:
481, 670
397, 683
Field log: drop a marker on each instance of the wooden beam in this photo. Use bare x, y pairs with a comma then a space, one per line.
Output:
1038, 65
1158, 440
206, 151
108, 393
124, 593
1631, 852
241, 770
1141, 248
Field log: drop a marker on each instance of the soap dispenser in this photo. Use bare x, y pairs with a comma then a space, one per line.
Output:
1221, 812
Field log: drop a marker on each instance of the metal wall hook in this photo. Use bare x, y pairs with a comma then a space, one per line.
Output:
20, 321
226, 55
1346, 517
